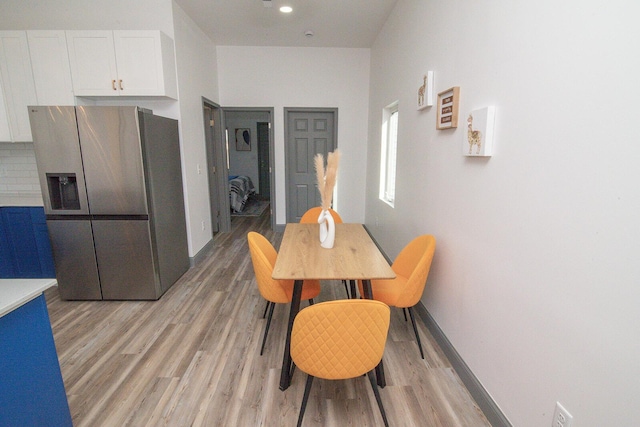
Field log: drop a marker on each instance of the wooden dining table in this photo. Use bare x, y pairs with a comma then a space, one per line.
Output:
354, 256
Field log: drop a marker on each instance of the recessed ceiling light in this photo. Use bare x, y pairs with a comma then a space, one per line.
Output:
286, 9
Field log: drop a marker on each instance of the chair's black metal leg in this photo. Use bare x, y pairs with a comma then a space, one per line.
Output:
266, 327
368, 294
382, 380
376, 392
346, 289
404, 311
266, 307
305, 398
366, 288
292, 370
311, 301
415, 329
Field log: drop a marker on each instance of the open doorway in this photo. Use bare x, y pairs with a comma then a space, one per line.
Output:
250, 156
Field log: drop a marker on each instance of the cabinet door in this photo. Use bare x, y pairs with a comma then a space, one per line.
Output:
22, 241
93, 63
17, 82
32, 390
145, 63
43, 245
5, 132
6, 255
51, 71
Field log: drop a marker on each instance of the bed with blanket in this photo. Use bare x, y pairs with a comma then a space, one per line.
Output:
240, 188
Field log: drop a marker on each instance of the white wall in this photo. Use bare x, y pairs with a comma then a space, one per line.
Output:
196, 72
196, 63
535, 277
305, 77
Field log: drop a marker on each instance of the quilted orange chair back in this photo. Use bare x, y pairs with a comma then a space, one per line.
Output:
340, 339
263, 258
414, 263
311, 216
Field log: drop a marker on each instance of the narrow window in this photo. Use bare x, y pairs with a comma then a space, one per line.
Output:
388, 153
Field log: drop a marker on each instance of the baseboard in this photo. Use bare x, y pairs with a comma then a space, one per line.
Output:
201, 254
477, 391
471, 382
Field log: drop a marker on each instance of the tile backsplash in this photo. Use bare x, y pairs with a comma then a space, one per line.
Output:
18, 171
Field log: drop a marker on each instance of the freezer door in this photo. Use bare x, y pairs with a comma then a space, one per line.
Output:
112, 156
75, 260
57, 148
125, 260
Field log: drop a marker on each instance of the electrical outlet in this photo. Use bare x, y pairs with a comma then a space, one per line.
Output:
562, 417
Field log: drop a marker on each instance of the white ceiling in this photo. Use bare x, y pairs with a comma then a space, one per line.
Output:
335, 23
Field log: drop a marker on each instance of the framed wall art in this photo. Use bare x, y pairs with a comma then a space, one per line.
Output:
243, 139
478, 140
425, 91
448, 103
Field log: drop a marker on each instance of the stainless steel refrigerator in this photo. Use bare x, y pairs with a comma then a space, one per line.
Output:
112, 188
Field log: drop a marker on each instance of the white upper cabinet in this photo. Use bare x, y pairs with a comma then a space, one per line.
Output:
146, 63
5, 132
122, 63
50, 64
17, 83
93, 63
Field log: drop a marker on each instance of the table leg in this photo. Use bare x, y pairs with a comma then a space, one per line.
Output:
285, 375
366, 288
382, 382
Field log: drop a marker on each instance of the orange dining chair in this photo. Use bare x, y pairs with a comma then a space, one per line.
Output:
311, 217
412, 268
263, 257
338, 340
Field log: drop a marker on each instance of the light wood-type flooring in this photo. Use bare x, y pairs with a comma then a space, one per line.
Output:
192, 358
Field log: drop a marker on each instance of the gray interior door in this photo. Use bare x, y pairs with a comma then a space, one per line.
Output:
209, 133
308, 132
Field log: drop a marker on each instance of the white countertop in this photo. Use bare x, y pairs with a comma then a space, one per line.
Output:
17, 292
8, 198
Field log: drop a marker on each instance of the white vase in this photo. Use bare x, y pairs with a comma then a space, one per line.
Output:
327, 229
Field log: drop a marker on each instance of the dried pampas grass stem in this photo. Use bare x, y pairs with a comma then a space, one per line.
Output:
327, 178
318, 162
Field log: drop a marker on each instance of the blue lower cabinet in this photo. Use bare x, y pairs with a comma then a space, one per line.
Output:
31, 388
6, 257
24, 244
45, 255
43, 244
